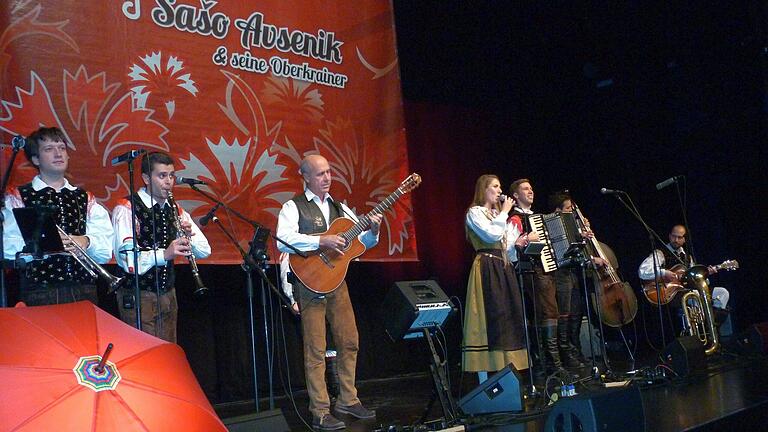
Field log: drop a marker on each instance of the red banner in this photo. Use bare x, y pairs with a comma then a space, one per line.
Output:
236, 92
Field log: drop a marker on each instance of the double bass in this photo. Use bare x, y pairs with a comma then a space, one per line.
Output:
617, 300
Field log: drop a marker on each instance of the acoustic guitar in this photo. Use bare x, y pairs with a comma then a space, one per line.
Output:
322, 271
670, 289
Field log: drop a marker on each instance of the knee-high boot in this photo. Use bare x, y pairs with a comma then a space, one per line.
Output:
574, 334
567, 350
551, 351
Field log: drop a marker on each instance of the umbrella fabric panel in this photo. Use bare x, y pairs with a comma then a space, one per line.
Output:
27, 392
40, 391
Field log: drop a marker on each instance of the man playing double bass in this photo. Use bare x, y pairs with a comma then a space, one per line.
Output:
570, 298
311, 212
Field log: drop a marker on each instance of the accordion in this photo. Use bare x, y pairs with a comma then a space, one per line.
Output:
561, 237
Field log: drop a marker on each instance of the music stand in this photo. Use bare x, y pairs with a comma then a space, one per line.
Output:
534, 249
525, 265
39, 231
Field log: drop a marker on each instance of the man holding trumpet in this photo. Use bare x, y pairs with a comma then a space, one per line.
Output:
83, 224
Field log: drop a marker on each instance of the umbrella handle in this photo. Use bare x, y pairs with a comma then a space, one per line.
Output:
100, 367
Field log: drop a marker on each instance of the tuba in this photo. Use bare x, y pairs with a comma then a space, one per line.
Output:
200, 288
697, 309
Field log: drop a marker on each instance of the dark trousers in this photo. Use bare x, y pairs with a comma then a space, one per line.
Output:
49, 294
570, 300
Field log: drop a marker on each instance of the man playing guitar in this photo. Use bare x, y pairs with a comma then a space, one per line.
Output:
311, 212
673, 254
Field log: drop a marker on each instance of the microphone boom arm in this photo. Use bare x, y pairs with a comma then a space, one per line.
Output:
245, 219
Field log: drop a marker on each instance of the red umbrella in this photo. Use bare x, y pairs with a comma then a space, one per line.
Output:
50, 377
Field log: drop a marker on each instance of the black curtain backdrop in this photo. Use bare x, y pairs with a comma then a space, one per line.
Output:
576, 95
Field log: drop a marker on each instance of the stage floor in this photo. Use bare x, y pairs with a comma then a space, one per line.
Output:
731, 393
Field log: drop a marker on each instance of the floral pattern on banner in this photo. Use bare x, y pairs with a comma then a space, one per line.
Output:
122, 85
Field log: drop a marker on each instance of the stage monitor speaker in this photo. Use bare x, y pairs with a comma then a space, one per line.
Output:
755, 339
604, 410
685, 355
499, 393
413, 305
584, 338
265, 421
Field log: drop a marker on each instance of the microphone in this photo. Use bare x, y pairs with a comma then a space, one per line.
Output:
189, 181
18, 142
605, 191
127, 156
210, 215
667, 182
502, 198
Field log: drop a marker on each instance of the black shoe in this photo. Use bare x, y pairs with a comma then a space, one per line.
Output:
357, 410
328, 423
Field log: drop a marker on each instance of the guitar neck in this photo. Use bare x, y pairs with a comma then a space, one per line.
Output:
365, 222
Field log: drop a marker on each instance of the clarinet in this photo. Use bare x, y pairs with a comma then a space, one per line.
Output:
200, 288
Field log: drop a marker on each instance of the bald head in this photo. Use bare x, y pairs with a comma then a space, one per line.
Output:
677, 236
317, 174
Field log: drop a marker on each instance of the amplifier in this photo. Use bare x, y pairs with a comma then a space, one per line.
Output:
411, 306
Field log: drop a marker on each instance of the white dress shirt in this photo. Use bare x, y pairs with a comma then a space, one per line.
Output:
98, 227
646, 272
288, 225
121, 216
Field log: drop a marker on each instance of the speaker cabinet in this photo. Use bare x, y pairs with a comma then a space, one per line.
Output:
605, 410
685, 356
755, 339
413, 305
500, 393
584, 338
265, 421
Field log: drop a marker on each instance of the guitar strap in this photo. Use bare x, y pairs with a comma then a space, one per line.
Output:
339, 209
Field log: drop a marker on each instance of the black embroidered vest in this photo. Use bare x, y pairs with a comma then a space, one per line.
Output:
311, 220
164, 234
71, 217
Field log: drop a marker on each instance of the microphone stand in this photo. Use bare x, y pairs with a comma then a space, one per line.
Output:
682, 197
246, 220
249, 264
6, 178
652, 236
135, 233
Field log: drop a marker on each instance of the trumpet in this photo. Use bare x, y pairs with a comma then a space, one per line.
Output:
92, 267
200, 288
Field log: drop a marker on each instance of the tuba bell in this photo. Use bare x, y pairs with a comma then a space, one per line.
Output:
697, 309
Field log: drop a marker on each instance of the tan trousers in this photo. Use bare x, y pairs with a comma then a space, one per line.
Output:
337, 309
158, 315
